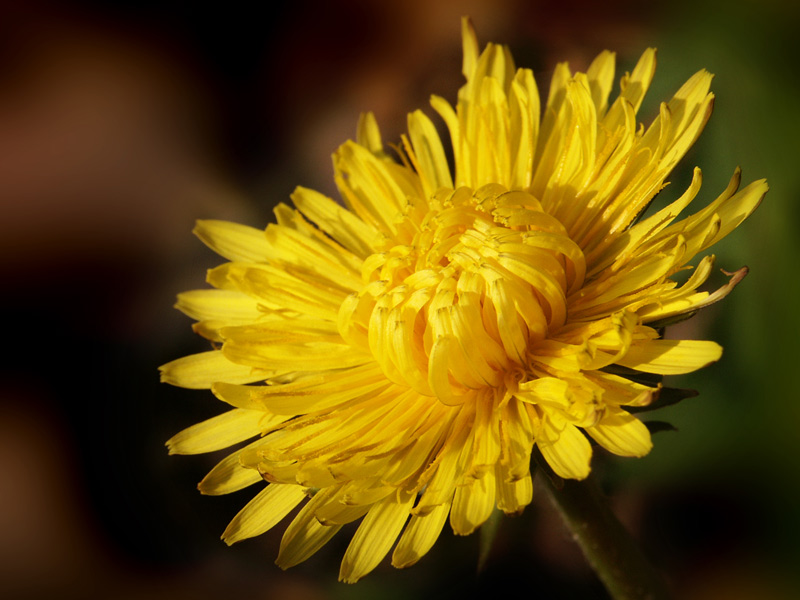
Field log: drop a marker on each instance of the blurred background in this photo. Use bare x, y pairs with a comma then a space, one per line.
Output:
119, 127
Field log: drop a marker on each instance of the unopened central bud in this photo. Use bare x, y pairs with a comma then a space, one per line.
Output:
474, 281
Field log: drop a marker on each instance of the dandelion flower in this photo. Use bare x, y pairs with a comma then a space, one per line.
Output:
395, 360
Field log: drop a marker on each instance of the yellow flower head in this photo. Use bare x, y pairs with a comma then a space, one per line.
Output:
397, 359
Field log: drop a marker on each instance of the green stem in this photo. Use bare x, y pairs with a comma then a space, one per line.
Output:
607, 545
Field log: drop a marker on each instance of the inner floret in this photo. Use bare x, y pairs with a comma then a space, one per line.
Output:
474, 280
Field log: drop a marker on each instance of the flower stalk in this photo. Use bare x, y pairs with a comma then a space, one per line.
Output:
611, 551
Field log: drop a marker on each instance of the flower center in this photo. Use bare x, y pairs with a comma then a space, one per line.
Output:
472, 282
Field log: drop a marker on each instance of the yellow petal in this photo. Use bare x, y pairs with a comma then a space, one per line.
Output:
524, 108
201, 371
513, 496
470, 50
545, 390
229, 475
438, 369
621, 433
337, 513
429, 153
296, 354
263, 512
486, 435
315, 392
342, 225
570, 455
632, 242
234, 242
419, 536
718, 219
633, 87
368, 188
217, 432
473, 504
552, 121
449, 467
225, 305
683, 301
600, 75
671, 357
628, 281
516, 435
368, 134
305, 535
375, 536
310, 254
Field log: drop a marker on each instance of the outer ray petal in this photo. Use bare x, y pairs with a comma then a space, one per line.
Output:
513, 495
524, 109
234, 241
473, 504
419, 536
316, 392
223, 305
368, 187
429, 153
201, 371
369, 134
569, 455
470, 49
263, 512
671, 357
621, 433
229, 475
341, 224
217, 432
305, 535
375, 536
600, 75
724, 213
